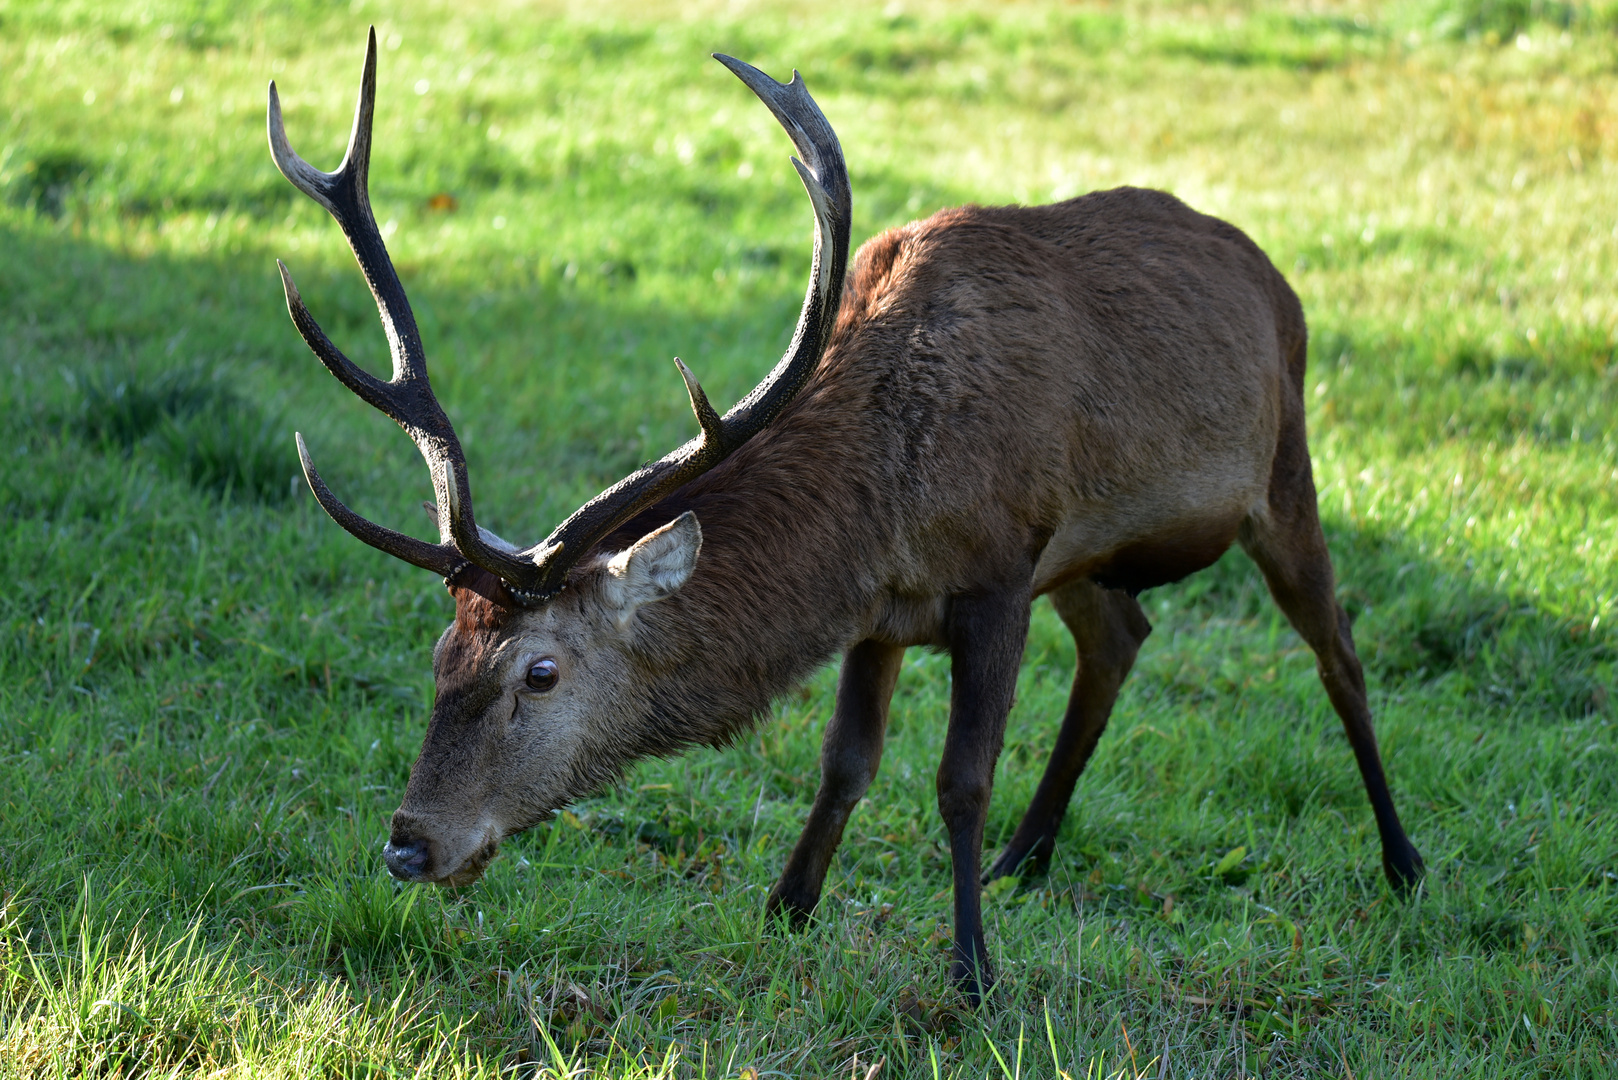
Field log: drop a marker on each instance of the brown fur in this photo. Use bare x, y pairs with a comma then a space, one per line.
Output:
482, 601
1086, 399
991, 375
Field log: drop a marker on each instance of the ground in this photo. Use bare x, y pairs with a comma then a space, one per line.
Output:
211, 696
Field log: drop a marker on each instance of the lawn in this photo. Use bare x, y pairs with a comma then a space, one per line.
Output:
211, 696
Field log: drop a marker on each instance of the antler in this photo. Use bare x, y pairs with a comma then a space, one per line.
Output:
540, 572
407, 399
825, 178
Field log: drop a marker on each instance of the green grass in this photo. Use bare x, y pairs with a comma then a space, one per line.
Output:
211, 696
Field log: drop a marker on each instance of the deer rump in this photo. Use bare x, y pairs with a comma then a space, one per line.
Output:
1083, 400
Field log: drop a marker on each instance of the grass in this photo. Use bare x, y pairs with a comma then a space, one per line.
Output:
212, 697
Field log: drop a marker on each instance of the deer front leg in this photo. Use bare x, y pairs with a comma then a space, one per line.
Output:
849, 756
986, 636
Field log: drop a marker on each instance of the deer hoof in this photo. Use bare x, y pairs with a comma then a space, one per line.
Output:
793, 910
975, 981
1018, 860
1404, 869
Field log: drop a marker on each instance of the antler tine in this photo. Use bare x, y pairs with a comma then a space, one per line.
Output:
368, 387
346, 196
442, 559
825, 177
408, 398
713, 425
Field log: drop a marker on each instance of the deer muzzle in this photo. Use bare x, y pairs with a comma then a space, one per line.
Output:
413, 854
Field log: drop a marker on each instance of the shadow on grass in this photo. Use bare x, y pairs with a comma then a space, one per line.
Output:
1416, 621
191, 366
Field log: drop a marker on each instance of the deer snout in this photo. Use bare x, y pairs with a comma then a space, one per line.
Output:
411, 851
406, 861
422, 849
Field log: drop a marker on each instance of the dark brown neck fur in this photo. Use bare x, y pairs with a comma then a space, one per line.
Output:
482, 601
795, 541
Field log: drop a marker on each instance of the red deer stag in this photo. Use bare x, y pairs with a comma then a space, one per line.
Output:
1083, 400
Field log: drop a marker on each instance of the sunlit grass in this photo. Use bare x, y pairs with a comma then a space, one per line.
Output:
211, 696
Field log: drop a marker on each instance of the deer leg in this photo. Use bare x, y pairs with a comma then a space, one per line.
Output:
986, 633
849, 756
1286, 542
1108, 627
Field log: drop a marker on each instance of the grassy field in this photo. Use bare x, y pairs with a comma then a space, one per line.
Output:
211, 696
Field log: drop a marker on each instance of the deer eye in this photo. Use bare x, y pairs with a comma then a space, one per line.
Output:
542, 675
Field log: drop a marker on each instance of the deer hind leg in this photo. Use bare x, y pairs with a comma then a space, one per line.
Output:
1286, 542
1108, 627
986, 633
849, 756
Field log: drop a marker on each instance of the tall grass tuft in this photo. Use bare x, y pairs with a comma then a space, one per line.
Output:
192, 425
44, 182
149, 1001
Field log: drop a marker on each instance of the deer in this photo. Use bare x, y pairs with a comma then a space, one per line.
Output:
1082, 400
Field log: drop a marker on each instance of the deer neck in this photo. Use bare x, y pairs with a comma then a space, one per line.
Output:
788, 578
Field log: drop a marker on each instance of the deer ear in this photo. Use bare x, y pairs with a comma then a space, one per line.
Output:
653, 568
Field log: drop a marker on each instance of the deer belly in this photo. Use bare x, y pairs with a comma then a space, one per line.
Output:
1136, 559
1159, 560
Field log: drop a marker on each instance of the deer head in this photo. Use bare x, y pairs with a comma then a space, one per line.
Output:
547, 670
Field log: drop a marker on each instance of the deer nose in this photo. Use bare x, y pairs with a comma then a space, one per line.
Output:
405, 861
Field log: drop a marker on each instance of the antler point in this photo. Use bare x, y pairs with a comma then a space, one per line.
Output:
288, 286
